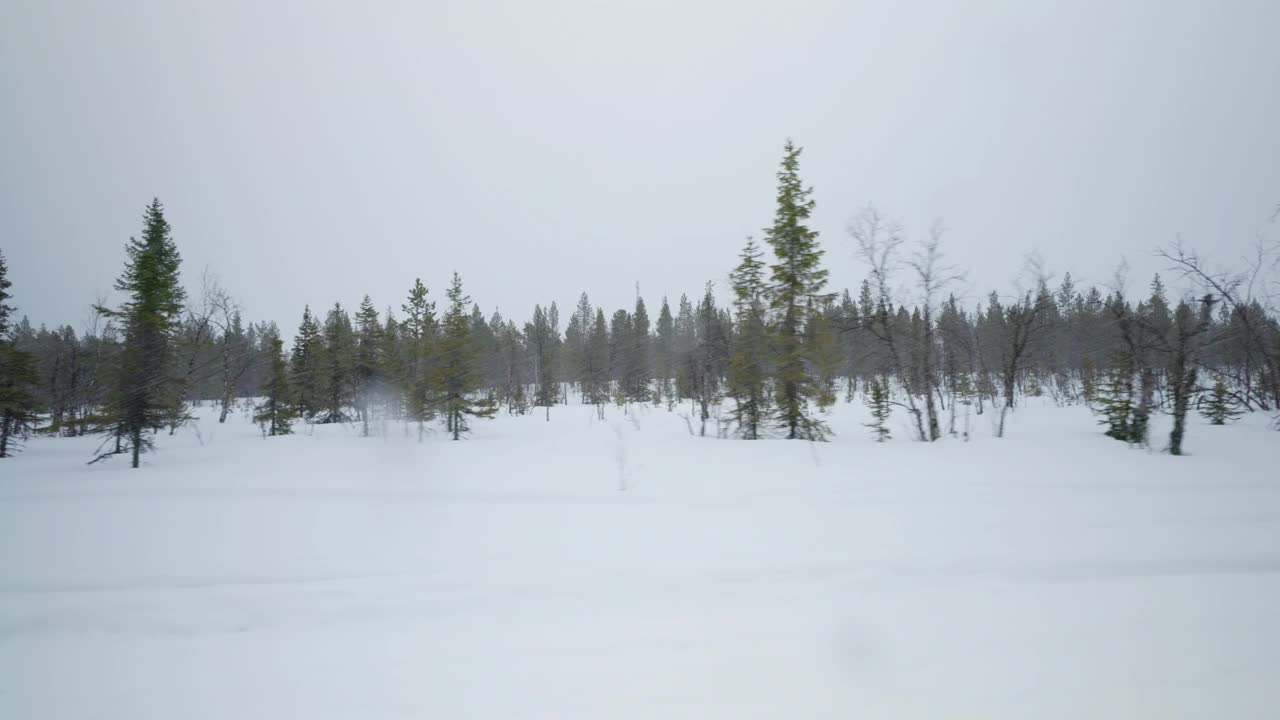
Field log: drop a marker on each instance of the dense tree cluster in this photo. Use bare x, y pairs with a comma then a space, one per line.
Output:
769, 365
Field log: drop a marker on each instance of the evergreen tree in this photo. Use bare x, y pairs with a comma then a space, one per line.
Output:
686, 333
748, 376
277, 410
798, 279
1116, 397
597, 364
419, 330
542, 338
456, 373
1221, 406
637, 359
17, 378
306, 373
878, 402
366, 370
709, 360
338, 370
146, 393
663, 359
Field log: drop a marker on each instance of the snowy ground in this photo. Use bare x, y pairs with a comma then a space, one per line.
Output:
1052, 574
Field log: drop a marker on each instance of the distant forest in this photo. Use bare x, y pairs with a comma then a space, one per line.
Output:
770, 364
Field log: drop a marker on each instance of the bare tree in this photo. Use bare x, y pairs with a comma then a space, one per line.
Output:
933, 277
1025, 319
878, 240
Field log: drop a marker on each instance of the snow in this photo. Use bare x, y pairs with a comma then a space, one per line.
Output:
1052, 574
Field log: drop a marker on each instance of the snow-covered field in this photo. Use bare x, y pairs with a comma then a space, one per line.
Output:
1052, 574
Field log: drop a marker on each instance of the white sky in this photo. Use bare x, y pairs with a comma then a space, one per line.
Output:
309, 152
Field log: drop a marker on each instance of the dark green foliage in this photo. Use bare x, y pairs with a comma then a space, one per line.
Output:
636, 364
145, 391
543, 346
748, 374
456, 374
877, 401
1115, 401
338, 368
307, 372
277, 410
419, 332
1220, 406
367, 368
18, 403
797, 282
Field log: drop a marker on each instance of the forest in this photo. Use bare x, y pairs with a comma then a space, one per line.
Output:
769, 363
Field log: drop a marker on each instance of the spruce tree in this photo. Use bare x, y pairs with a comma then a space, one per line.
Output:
456, 373
877, 401
366, 370
542, 337
663, 349
1116, 399
748, 377
637, 359
1221, 406
597, 368
145, 391
419, 330
338, 370
797, 281
276, 412
306, 372
18, 380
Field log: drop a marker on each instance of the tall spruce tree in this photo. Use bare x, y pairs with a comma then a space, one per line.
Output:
748, 377
597, 367
338, 373
366, 370
145, 391
663, 350
637, 359
276, 412
18, 403
419, 330
306, 373
456, 373
797, 282
542, 337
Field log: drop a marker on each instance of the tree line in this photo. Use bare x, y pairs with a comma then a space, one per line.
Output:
770, 364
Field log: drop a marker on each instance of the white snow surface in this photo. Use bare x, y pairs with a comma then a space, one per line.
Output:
1054, 573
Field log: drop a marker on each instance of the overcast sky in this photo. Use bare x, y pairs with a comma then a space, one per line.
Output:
309, 152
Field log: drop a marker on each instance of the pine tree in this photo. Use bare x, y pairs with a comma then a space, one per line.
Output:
798, 279
278, 409
597, 367
709, 360
306, 371
456, 373
542, 344
637, 359
145, 391
1116, 399
366, 370
748, 376
1221, 406
419, 329
663, 349
18, 402
877, 401
338, 371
